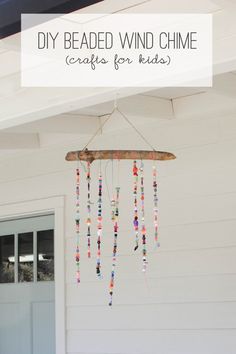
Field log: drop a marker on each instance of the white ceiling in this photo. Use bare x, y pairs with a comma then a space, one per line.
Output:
65, 113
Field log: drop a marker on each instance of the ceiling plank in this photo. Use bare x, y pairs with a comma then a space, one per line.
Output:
134, 106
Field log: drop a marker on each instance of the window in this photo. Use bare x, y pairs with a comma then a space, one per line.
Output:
45, 255
27, 251
25, 257
6, 255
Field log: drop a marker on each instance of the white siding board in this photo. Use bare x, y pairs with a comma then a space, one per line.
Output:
195, 236
152, 342
211, 288
182, 263
153, 316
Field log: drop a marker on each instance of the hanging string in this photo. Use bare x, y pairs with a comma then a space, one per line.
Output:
135, 193
77, 221
143, 227
89, 208
110, 195
99, 224
118, 170
155, 209
106, 180
114, 257
99, 129
83, 166
126, 119
137, 131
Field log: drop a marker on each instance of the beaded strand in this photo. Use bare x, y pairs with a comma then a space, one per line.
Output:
77, 221
115, 226
135, 192
88, 222
143, 228
99, 226
155, 209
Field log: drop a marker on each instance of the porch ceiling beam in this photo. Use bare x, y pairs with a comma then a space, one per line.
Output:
61, 124
13, 141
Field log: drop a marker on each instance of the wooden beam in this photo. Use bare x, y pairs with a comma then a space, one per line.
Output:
86, 155
62, 124
12, 141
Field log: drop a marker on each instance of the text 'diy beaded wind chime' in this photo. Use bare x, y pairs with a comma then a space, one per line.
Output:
138, 192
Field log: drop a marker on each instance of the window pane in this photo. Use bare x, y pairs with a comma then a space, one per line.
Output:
7, 259
26, 257
45, 256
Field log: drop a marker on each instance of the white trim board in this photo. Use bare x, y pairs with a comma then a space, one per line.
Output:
37, 207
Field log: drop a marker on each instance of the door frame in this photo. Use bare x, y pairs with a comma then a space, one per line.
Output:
37, 207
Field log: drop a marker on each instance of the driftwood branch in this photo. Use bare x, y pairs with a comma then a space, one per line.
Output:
86, 155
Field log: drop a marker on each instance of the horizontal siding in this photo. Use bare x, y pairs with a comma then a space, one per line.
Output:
209, 288
193, 236
182, 263
172, 211
153, 317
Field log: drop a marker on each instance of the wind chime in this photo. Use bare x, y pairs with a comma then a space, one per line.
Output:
140, 234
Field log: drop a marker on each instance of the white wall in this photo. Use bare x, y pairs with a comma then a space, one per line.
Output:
187, 302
